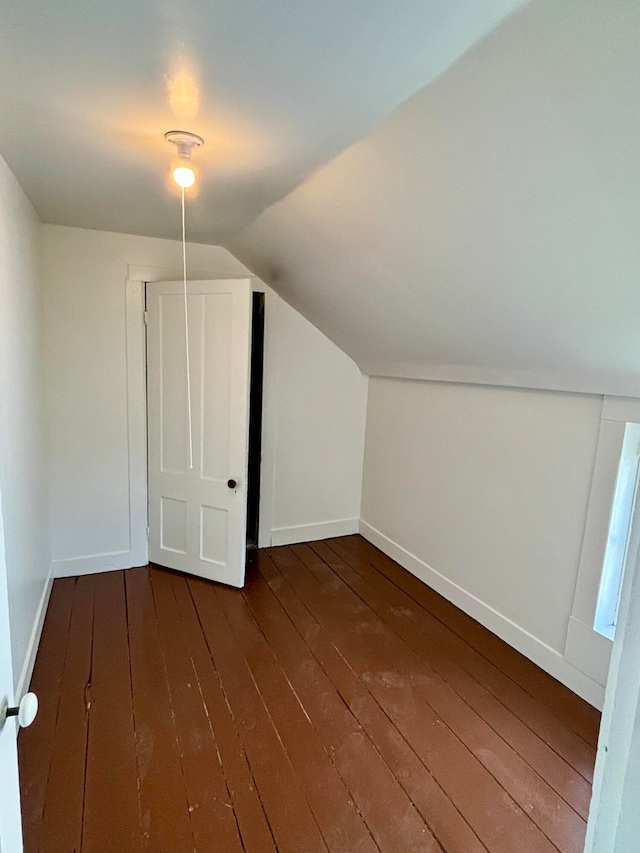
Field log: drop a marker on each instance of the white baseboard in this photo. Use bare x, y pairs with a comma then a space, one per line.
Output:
94, 563
34, 640
309, 532
540, 653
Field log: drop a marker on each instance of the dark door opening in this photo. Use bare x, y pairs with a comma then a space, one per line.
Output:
255, 419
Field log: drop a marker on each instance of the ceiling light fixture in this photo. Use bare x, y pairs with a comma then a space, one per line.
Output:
184, 176
183, 173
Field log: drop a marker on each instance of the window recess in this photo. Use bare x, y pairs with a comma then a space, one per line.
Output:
618, 539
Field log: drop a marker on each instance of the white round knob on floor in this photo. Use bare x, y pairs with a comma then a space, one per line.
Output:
27, 710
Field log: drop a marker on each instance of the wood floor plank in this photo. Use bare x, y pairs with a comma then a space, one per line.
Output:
252, 820
111, 810
441, 619
62, 820
35, 744
570, 708
342, 826
394, 607
210, 807
164, 807
291, 819
317, 672
559, 822
372, 652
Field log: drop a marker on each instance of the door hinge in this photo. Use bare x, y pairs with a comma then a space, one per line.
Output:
147, 533
145, 315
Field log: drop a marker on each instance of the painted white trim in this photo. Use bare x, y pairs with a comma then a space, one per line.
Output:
34, 640
149, 273
625, 409
136, 420
588, 651
576, 382
311, 532
94, 563
585, 648
540, 653
614, 822
10, 812
596, 530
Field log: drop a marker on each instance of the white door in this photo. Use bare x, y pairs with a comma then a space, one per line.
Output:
10, 821
198, 516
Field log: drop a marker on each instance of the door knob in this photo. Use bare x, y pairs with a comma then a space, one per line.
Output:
26, 711
232, 484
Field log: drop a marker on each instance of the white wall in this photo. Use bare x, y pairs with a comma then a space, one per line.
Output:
85, 273
22, 461
483, 492
320, 422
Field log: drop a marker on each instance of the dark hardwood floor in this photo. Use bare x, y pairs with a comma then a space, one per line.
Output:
334, 704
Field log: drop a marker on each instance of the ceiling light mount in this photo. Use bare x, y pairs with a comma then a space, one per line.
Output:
184, 141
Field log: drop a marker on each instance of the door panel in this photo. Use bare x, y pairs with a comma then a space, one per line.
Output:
197, 523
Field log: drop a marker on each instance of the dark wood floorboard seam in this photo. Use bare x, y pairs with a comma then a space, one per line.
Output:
182, 581
130, 671
71, 585
87, 700
173, 711
59, 698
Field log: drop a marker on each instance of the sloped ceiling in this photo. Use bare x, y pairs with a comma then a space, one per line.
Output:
489, 229
276, 88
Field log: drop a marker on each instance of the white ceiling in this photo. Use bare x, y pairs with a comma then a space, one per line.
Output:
277, 88
488, 230
483, 227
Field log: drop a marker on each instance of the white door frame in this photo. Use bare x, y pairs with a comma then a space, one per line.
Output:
10, 812
614, 817
138, 277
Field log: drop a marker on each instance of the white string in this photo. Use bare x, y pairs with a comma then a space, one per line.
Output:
186, 335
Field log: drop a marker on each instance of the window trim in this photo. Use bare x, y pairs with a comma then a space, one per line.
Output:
624, 501
585, 648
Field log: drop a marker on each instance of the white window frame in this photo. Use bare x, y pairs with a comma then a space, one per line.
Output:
586, 648
620, 527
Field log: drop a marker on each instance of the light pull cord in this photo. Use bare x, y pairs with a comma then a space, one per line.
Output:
186, 334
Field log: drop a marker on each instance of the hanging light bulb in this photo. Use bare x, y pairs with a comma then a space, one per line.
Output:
183, 172
183, 175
